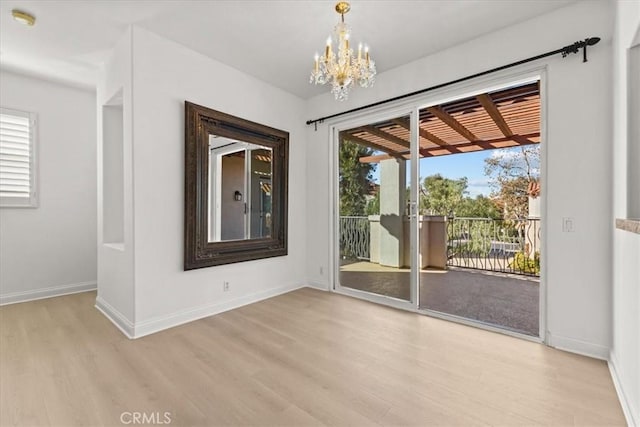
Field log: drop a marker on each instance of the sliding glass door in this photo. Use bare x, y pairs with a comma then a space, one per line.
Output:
438, 209
374, 215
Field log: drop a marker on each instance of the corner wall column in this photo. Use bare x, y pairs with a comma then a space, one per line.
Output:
393, 184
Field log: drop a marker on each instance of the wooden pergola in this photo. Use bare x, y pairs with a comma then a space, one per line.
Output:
499, 119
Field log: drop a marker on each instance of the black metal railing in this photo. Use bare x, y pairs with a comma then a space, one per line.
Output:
508, 246
354, 237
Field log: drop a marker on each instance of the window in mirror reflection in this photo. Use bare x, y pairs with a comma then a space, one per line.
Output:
240, 183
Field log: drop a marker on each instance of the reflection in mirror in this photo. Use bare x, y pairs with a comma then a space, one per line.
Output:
240, 184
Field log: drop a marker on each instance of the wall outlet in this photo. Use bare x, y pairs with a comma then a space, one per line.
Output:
225, 286
321, 271
567, 225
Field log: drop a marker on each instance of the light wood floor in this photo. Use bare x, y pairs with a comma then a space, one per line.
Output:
304, 358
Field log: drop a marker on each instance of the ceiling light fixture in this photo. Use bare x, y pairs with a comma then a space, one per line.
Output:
23, 17
343, 69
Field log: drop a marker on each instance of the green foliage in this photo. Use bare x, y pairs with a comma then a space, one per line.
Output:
441, 195
472, 238
355, 178
525, 264
513, 197
480, 207
373, 205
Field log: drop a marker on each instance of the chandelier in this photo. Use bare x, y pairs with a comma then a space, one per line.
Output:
343, 69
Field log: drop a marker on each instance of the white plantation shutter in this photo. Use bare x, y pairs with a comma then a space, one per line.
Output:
17, 158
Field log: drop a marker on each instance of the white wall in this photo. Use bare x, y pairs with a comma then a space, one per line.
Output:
165, 74
51, 249
113, 173
579, 159
115, 259
625, 354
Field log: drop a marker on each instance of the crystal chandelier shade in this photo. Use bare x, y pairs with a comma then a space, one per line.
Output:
343, 69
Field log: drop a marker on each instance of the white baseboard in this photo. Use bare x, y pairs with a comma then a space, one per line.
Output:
624, 402
317, 285
117, 318
579, 347
53, 291
158, 324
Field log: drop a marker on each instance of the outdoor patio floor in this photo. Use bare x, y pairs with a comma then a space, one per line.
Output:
508, 301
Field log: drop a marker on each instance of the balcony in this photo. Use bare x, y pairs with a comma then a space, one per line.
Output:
479, 269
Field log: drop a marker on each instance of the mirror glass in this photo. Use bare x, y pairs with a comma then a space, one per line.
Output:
240, 190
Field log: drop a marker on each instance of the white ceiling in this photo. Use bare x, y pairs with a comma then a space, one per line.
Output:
272, 40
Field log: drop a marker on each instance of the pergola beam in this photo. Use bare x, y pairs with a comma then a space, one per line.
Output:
385, 135
491, 108
350, 137
427, 135
450, 121
487, 145
522, 140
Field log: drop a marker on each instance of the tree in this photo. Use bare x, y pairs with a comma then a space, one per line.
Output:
373, 205
510, 172
442, 195
513, 198
355, 178
480, 207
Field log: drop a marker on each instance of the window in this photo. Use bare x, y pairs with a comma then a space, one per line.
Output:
17, 159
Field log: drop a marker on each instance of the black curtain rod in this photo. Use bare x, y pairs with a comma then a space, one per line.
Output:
565, 51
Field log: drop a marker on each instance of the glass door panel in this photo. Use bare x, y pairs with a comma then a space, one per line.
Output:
479, 216
374, 225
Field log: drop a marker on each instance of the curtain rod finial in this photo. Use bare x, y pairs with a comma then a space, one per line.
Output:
593, 40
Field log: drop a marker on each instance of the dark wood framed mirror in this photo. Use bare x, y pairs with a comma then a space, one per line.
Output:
236, 182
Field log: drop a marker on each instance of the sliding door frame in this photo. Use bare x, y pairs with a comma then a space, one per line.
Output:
411, 107
350, 122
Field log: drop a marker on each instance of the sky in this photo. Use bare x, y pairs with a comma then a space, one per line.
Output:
457, 166
470, 165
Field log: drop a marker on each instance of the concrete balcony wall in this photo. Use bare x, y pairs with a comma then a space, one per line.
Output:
433, 241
